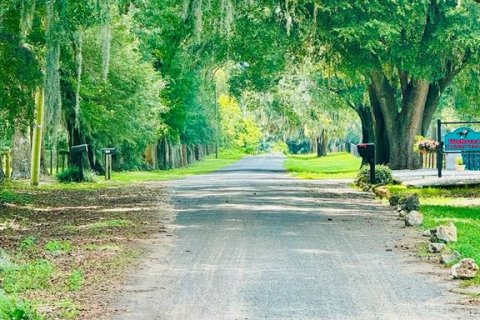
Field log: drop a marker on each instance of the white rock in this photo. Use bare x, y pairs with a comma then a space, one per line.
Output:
446, 258
436, 247
446, 233
413, 219
426, 233
402, 214
465, 269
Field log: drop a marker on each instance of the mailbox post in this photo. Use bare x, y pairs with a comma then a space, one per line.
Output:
367, 152
76, 153
109, 152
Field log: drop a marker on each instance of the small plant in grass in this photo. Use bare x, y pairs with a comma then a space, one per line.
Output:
29, 243
11, 309
76, 280
110, 224
73, 174
383, 175
58, 246
9, 196
28, 276
69, 309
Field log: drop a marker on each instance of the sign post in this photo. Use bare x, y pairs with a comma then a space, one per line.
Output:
108, 161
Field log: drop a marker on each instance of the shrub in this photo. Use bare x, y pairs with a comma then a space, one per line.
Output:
16, 310
72, 174
28, 243
58, 246
76, 280
280, 146
28, 276
383, 175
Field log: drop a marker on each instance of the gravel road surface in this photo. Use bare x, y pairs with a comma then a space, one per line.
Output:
251, 242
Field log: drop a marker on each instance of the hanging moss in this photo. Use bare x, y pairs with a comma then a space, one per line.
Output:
227, 13
185, 9
53, 101
26, 17
106, 39
79, 62
198, 12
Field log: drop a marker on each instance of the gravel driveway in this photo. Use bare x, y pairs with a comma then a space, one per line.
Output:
251, 242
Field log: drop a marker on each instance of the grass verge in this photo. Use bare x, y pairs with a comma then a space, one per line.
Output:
333, 166
459, 205
63, 253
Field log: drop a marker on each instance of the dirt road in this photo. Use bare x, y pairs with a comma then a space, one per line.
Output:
250, 242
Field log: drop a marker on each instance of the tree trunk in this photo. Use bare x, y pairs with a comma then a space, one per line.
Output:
382, 144
21, 153
322, 143
365, 114
404, 123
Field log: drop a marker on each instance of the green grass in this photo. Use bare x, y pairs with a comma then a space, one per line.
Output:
210, 164
76, 279
11, 308
110, 224
10, 196
58, 246
458, 205
333, 166
32, 275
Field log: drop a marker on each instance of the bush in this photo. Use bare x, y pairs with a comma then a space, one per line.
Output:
28, 276
383, 175
280, 146
72, 174
16, 310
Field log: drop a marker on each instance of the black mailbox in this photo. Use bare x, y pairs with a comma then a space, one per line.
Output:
367, 151
79, 149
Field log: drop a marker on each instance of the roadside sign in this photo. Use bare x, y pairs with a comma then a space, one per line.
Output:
462, 139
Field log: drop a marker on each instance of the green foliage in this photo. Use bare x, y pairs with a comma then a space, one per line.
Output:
239, 130
69, 309
58, 246
383, 175
76, 279
12, 309
110, 224
28, 276
29, 243
13, 197
280, 146
73, 174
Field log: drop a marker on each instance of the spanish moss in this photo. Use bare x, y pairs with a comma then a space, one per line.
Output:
79, 62
198, 12
26, 17
53, 100
106, 37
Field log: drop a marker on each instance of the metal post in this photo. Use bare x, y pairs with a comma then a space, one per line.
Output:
51, 162
372, 172
440, 148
